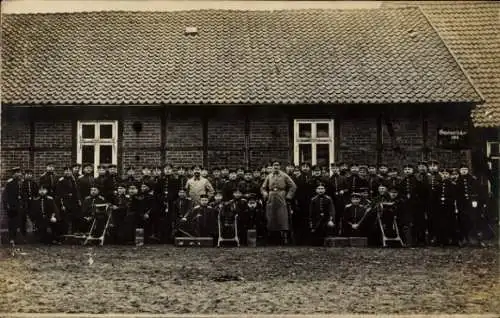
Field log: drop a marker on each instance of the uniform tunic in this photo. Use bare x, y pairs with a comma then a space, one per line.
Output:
278, 187
195, 187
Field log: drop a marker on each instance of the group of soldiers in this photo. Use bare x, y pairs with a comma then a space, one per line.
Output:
299, 204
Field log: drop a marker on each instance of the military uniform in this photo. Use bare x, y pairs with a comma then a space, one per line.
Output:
204, 219
110, 185
42, 209
69, 201
238, 206
29, 190
321, 211
434, 202
305, 191
416, 218
88, 212
182, 209
49, 179
444, 218
85, 182
353, 214
13, 204
119, 218
228, 189
468, 216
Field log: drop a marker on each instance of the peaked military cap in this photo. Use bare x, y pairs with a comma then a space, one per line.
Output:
393, 189
28, 171
16, 169
306, 164
203, 196
464, 165
85, 165
75, 165
408, 166
433, 162
355, 195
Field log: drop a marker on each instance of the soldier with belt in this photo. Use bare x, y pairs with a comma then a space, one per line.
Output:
86, 181
409, 196
13, 203
45, 214
29, 192
444, 217
467, 206
69, 201
305, 191
321, 215
433, 196
49, 179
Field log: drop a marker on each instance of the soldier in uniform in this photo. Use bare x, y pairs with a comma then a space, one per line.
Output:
89, 209
373, 180
408, 192
354, 182
230, 185
467, 206
344, 169
433, 197
354, 214
69, 200
44, 213
49, 179
86, 181
130, 178
422, 205
29, 190
216, 180
257, 217
181, 173
444, 218
296, 174
305, 191
321, 215
204, 219
337, 187
248, 186
393, 179
100, 181
224, 174
238, 206
120, 207
289, 169
149, 212
13, 204
197, 185
277, 190
383, 171
111, 183
182, 209
75, 168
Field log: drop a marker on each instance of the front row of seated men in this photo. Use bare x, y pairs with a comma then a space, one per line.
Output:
136, 209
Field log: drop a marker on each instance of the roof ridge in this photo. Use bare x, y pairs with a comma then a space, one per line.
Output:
411, 7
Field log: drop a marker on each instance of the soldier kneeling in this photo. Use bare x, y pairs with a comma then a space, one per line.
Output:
44, 213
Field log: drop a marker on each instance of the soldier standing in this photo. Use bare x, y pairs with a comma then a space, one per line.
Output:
111, 183
86, 181
49, 179
444, 217
69, 200
467, 206
45, 214
76, 170
321, 215
433, 196
13, 204
230, 185
130, 178
29, 192
409, 199
305, 191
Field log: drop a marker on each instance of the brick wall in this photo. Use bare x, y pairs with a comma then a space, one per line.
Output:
408, 134
53, 134
269, 137
226, 139
358, 139
15, 136
184, 138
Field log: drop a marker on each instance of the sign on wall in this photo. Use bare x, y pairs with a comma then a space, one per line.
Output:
453, 138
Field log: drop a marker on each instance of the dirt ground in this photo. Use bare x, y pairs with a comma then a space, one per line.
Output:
165, 279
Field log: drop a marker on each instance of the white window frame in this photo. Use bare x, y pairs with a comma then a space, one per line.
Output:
97, 141
313, 140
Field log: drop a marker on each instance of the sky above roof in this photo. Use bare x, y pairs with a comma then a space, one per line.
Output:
34, 6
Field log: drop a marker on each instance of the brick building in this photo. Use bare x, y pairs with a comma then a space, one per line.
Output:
230, 88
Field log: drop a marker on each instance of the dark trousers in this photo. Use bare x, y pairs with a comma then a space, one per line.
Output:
46, 231
16, 219
468, 218
300, 227
415, 226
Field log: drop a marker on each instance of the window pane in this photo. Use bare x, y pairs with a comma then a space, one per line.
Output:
495, 149
322, 130
87, 154
305, 130
323, 155
305, 153
106, 131
88, 131
106, 154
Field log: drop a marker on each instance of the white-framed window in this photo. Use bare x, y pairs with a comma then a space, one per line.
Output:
493, 152
97, 142
314, 141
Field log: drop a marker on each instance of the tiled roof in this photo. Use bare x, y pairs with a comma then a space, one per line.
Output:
302, 56
471, 31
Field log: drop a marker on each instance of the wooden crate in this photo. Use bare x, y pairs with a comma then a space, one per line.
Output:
358, 241
194, 242
336, 241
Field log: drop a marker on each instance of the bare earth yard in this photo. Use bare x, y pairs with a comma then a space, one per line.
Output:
165, 279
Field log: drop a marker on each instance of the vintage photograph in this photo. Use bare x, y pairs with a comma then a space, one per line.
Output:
249, 158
